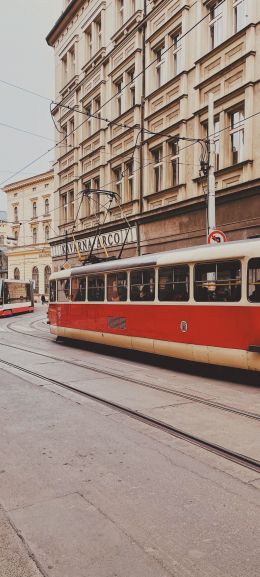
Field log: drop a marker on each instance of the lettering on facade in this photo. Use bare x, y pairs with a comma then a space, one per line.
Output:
109, 240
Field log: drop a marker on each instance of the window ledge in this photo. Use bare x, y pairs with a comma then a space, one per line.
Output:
225, 170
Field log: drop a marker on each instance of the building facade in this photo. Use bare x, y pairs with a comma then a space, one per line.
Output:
30, 218
133, 79
3, 245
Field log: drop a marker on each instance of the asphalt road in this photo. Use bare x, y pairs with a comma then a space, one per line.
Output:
86, 491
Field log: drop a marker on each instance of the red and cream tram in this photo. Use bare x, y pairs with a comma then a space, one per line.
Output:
200, 304
15, 297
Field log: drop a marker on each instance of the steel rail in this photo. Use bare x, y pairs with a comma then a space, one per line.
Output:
177, 393
233, 456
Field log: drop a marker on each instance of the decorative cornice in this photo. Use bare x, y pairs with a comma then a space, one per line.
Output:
25, 183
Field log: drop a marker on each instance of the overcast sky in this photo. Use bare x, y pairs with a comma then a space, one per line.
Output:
27, 61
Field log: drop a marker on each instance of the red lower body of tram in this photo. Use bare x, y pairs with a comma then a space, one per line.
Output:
221, 335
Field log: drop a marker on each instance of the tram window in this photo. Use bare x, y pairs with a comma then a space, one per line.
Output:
52, 291
15, 292
117, 286
218, 282
174, 283
253, 287
78, 289
63, 290
96, 288
142, 284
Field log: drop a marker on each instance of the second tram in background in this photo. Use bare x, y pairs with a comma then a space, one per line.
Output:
16, 296
199, 304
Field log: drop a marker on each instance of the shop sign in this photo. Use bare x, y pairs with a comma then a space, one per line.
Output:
109, 240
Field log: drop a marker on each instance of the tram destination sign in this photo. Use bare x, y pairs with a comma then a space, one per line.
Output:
109, 240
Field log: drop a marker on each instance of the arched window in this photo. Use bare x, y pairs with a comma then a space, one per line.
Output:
47, 273
47, 206
34, 209
16, 274
47, 234
34, 235
16, 214
35, 278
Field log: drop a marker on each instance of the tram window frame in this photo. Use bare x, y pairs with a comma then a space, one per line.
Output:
99, 289
117, 286
141, 291
175, 294
212, 282
78, 288
255, 282
64, 283
53, 295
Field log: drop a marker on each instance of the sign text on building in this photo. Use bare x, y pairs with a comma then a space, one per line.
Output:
108, 240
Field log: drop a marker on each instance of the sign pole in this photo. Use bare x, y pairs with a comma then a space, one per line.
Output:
211, 171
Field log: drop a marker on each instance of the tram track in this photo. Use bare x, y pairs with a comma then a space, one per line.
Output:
238, 458
113, 374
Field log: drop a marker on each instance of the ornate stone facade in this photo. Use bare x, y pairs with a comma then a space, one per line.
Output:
30, 218
187, 49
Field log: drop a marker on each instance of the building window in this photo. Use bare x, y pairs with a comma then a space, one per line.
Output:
176, 44
158, 168
118, 181
16, 234
133, 6
97, 104
89, 43
47, 234
96, 198
216, 142
65, 136
71, 205
47, 274
175, 161
129, 179
64, 208
35, 278
16, 274
98, 32
87, 123
34, 207
118, 86
131, 83
239, 14
15, 213
86, 205
120, 12
237, 136
72, 61
71, 133
64, 61
216, 23
46, 206
34, 235
160, 65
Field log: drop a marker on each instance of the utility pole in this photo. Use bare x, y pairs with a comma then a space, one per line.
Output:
211, 166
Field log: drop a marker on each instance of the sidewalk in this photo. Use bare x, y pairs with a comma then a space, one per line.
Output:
15, 559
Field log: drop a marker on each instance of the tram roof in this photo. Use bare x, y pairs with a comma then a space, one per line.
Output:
200, 253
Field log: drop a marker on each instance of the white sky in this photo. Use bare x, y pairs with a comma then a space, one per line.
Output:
27, 61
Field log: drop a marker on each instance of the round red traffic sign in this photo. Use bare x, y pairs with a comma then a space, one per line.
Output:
216, 236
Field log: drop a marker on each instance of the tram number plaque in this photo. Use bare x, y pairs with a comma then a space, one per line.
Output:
184, 326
